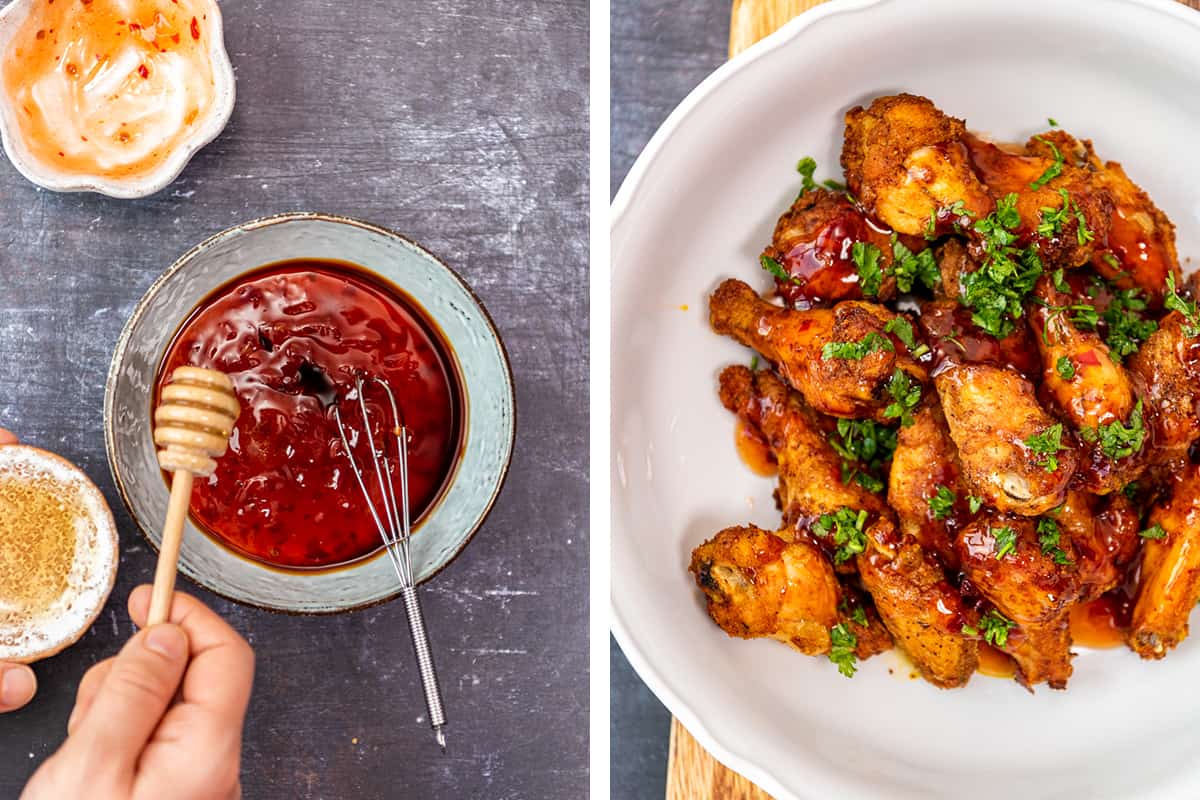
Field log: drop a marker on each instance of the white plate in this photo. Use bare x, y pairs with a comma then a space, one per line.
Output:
697, 207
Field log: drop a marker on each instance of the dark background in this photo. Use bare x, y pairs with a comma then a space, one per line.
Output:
463, 124
661, 50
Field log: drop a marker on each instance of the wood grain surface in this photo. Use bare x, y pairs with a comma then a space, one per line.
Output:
463, 124
691, 771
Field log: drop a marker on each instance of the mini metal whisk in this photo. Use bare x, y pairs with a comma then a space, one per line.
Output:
394, 525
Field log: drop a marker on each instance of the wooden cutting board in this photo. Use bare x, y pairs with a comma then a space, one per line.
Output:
693, 774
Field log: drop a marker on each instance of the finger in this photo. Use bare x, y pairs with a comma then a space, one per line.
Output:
221, 672
135, 694
7, 437
86, 695
17, 685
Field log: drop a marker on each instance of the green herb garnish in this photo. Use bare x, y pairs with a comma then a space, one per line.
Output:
841, 649
1005, 541
905, 396
910, 267
863, 442
1127, 329
1064, 368
857, 351
775, 268
995, 291
1050, 536
1047, 444
1118, 440
866, 260
1155, 531
1052, 171
806, 167
849, 536
995, 628
941, 503
1188, 309
974, 503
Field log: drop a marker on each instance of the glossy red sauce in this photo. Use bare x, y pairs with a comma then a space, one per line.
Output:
284, 493
821, 268
956, 340
1101, 623
754, 450
995, 663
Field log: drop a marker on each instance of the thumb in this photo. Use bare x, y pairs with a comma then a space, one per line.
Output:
143, 681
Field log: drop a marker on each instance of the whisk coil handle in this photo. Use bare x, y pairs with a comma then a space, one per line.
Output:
429, 681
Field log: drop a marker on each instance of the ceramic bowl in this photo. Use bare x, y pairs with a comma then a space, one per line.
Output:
698, 206
11, 17
489, 405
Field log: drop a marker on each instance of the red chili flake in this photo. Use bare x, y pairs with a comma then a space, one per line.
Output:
61, 154
143, 71
195, 28
83, 138
175, 38
41, 35
1088, 358
133, 26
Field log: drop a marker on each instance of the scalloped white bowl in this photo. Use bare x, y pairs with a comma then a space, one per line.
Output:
697, 207
127, 188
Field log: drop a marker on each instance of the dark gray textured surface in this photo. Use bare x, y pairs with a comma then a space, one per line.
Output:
660, 50
462, 124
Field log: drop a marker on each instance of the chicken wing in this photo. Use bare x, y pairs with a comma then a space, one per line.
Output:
923, 612
1101, 536
850, 386
1166, 371
1004, 560
814, 244
1170, 582
760, 584
1086, 385
925, 486
906, 162
1006, 442
810, 474
1064, 227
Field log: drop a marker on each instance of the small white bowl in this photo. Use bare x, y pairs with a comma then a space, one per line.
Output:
224, 94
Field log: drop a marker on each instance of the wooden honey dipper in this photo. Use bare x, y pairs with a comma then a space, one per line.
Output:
192, 426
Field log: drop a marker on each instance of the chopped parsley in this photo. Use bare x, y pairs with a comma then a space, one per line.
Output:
1052, 171
1064, 368
858, 615
1188, 309
1130, 490
1118, 440
1053, 122
1060, 281
1127, 329
864, 442
866, 260
1052, 220
1155, 531
905, 396
857, 351
994, 292
974, 503
849, 536
941, 503
806, 167
1047, 444
833, 186
1049, 537
754, 363
904, 332
958, 213
995, 628
841, 649
1005, 541
775, 268
910, 267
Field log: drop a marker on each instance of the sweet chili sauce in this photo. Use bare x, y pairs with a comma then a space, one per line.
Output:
284, 493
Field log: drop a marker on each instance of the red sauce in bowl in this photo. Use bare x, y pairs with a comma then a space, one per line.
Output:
284, 493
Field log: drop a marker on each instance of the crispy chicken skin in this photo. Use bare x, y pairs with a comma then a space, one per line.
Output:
872, 638
923, 612
759, 584
1098, 391
813, 243
926, 460
1167, 371
1170, 583
1026, 586
991, 413
1021, 173
793, 341
905, 161
810, 481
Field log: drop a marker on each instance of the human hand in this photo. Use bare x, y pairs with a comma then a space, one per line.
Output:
17, 682
162, 718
